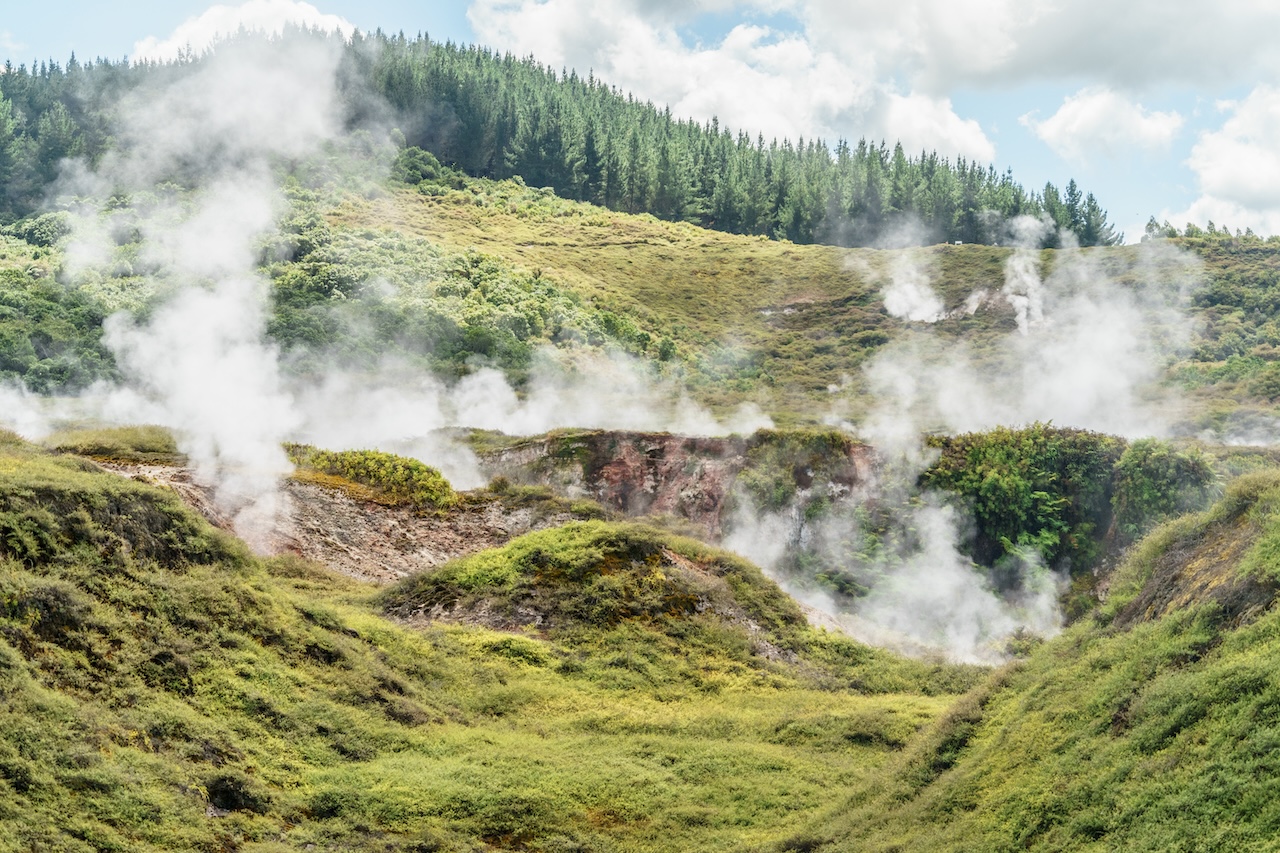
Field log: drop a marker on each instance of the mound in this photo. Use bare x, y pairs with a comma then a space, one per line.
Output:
598, 574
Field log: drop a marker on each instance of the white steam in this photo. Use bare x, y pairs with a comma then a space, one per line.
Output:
23, 412
1086, 352
1022, 286
200, 363
1088, 346
909, 294
937, 599
224, 131
409, 412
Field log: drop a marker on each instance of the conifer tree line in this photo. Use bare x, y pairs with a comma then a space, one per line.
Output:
497, 116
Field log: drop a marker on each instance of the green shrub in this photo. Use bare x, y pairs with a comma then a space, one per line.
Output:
780, 463
1154, 482
1041, 487
395, 479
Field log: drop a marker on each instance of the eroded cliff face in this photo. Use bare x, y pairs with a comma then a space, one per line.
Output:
365, 540
691, 478
695, 479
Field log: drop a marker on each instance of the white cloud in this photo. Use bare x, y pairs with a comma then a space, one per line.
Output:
939, 44
1238, 167
866, 68
1098, 120
268, 16
756, 79
931, 123
9, 43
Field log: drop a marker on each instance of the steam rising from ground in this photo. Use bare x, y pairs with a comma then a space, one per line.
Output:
406, 411
1085, 353
909, 294
929, 598
1084, 349
200, 362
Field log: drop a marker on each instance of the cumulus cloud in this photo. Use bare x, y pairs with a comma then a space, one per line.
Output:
1237, 166
266, 16
854, 68
757, 78
1098, 120
939, 44
931, 123
9, 43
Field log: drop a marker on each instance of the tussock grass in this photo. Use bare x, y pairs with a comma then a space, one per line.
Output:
133, 444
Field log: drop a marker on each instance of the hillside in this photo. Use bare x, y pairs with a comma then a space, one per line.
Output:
360, 497
164, 690
167, 690
497, 272
1146, 727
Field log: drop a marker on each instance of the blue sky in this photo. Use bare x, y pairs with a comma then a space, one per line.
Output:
1159, 107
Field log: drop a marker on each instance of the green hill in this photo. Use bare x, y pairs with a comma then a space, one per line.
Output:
1147, 727
607, 685
160, 689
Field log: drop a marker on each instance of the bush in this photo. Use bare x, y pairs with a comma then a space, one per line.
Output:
394, 479
1041, 487
1154, 482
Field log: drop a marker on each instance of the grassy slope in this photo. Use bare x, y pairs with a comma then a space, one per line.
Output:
753, 317
160, 689
495, 268
1138, 729
780, 323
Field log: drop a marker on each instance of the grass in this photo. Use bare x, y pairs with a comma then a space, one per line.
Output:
751, 318
134, 444
1152, 731
162, 689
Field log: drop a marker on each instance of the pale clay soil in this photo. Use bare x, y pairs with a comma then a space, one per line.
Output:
362, 539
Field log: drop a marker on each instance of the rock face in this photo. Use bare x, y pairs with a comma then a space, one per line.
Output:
657, 473
635, 474
359, 538
1200, 569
